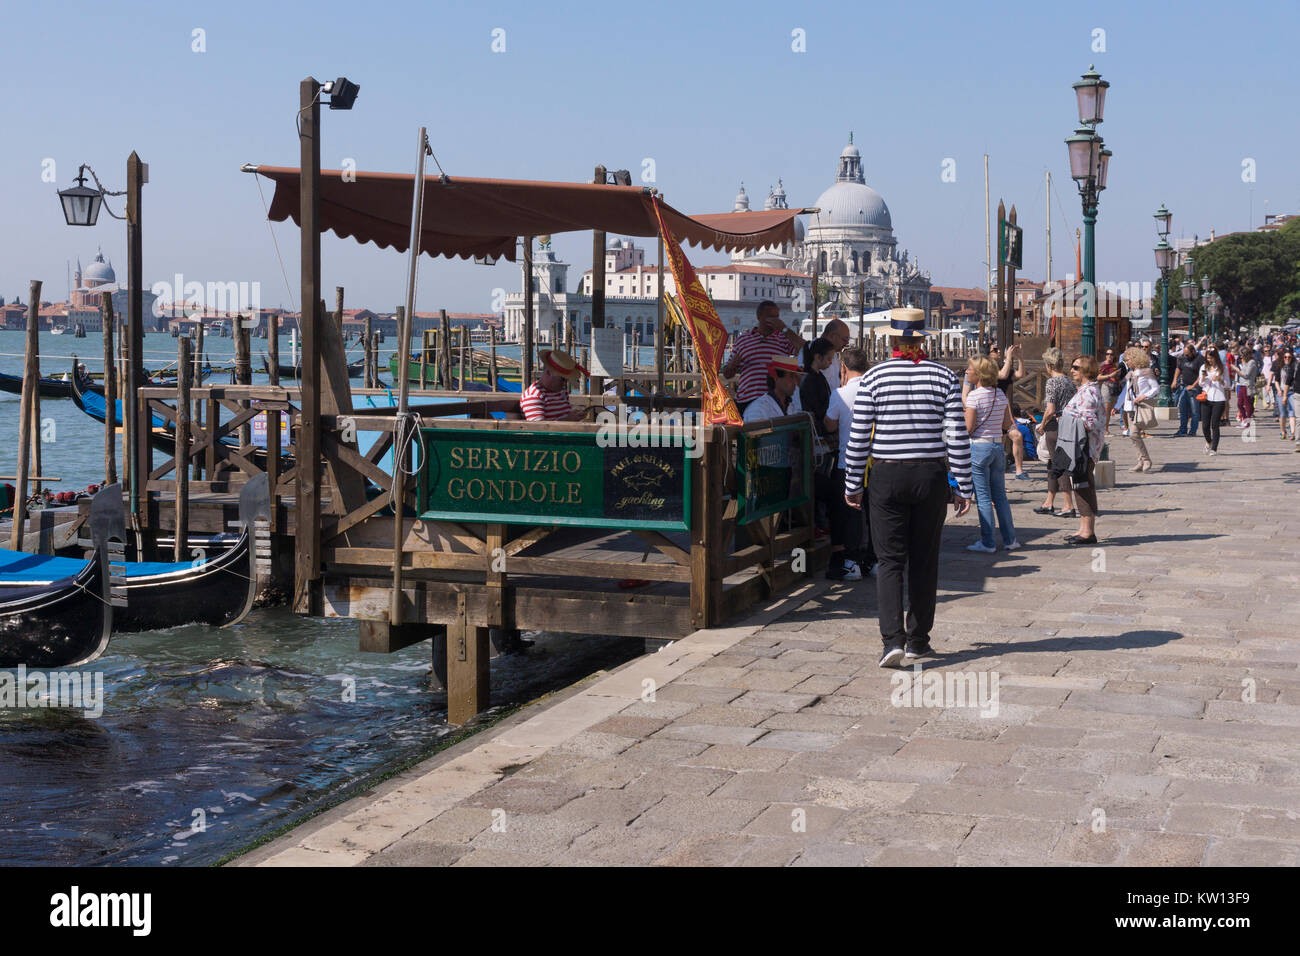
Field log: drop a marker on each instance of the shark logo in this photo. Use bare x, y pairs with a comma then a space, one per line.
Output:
641, 480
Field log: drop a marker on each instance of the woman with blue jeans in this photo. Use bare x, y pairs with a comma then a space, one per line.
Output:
988, 417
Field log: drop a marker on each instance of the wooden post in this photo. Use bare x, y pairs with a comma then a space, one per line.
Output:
468, 674
199, 417
526, 355
273, 348
1000, 294
424, 359
367, 344
492, 368
460, 359
659, 322
125, 422
307, 557
598, 240
444, 349
243, 374
31, 384
36, 420
142, 452
110, 389
183, 373
862, 311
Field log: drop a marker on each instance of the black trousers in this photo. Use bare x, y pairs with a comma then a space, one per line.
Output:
906, 507
1210, 421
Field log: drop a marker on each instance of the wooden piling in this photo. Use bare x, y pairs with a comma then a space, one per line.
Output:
184, 371
424, 359
526, 354
31, 384
492, 368
243, 374
307, 557
444, 353
366, 345
460, 359
142, 452
110, 389
273, 348
468, 674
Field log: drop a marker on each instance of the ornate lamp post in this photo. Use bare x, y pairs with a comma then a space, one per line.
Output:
1165, 263
1089, 165
1189, 291
1205, 303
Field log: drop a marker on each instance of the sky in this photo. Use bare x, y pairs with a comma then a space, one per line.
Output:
1201, 100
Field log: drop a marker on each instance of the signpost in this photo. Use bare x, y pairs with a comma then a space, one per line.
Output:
553, 478
767, 482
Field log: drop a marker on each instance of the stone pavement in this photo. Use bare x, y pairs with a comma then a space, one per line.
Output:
1147, 712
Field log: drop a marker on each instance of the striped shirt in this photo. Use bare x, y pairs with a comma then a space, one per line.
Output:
990, 406
539, 404
753, 351
917, 413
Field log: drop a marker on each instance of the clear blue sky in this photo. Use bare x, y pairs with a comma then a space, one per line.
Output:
711, 91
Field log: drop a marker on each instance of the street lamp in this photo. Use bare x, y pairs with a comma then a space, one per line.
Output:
1089, 168
1165, 263
81, 204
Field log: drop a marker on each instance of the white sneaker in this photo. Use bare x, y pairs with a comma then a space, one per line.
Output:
981, 547
1012, 546
851, 571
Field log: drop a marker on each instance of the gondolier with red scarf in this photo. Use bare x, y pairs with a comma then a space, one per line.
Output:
909, 420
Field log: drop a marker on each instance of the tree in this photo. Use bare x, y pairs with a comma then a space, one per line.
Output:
1256, 273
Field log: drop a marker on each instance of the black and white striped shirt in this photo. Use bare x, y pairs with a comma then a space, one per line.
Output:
917, 412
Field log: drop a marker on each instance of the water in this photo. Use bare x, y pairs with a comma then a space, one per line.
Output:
211, 738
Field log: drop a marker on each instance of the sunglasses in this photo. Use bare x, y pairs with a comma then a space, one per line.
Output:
1074, 368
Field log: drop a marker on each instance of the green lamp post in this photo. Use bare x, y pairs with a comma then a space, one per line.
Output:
1165, 263
1089, 165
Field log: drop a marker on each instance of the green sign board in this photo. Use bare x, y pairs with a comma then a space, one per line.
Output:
552, 478
1010, 244
774, 471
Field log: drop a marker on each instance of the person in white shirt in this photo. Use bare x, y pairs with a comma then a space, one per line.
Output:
850, 553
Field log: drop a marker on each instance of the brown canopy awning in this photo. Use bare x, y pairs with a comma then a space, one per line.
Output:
483, 217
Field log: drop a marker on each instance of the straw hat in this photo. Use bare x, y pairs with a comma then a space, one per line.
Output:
907, 324
561, 363
785, 363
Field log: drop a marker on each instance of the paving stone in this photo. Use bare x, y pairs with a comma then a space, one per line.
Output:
860, 794
765, 787
698, 814
771, 680
1166, 849
910, 771
936, 831
782, 819
734, 714
730, 757
836, 855
820, 683
593, 744
808, 721
1274, 824
532, 833
800, 740
622, 725
664, 750
521, 795
1245, 852
987, 802
682, 781
1081, 843
619, 845
662, 708
1012, 839
710, 733
773, 702
696, 693
608, 807
959, 751
497, 858
1205, 820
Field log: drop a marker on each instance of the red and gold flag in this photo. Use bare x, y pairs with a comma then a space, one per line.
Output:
708, 334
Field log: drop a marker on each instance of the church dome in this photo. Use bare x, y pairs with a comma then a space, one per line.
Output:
98, 272
852, 204
742, 200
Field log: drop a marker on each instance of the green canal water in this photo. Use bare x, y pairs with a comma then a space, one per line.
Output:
210, 739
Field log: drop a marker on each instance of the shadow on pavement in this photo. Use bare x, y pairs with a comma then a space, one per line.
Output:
1129, 640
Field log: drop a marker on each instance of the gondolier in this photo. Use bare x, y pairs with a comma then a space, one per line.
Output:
908, 418
547, 399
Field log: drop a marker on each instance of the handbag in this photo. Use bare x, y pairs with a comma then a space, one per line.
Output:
1146, 416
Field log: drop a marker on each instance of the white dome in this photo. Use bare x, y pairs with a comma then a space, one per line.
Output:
98, 272
848, 203
742, 200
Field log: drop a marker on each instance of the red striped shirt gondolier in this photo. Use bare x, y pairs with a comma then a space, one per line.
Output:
539, 404
753, 351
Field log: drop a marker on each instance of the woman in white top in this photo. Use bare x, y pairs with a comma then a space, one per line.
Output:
1143, 387
1213, 378
988, 417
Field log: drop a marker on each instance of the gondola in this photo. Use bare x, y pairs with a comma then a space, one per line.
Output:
49, 387
356, 369
56, 612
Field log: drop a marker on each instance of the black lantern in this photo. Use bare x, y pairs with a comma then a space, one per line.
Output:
80, 202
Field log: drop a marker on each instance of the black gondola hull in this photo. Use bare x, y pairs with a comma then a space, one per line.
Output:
62, 624
218, 592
